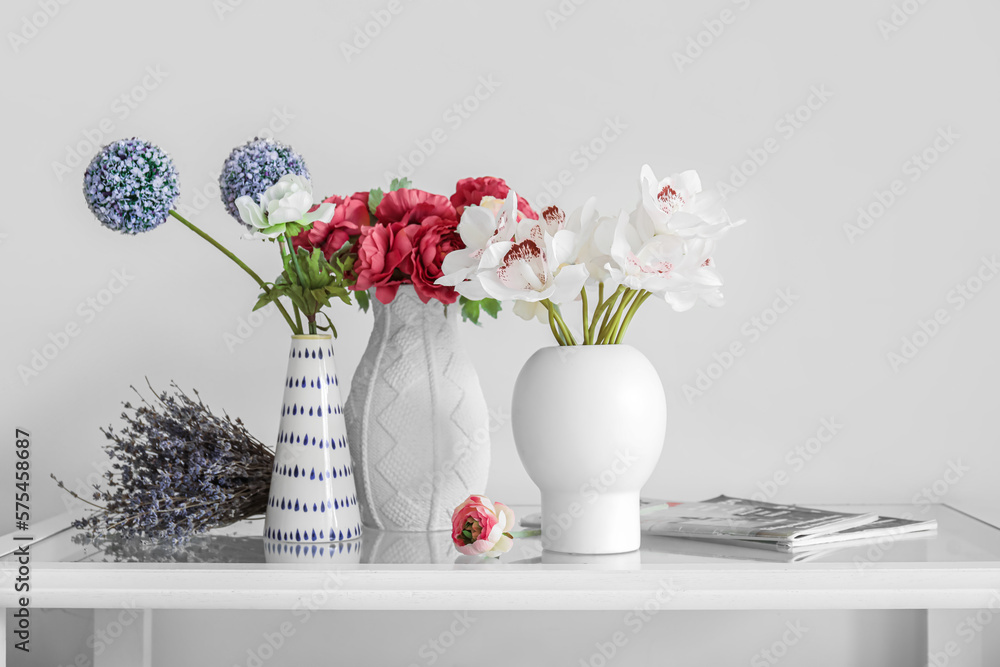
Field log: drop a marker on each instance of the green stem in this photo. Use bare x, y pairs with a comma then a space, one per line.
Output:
295, 261
586, 314
608, 333
565, 327
295, 308
552, 323
603, 307
643, 295
567, 334
239, 263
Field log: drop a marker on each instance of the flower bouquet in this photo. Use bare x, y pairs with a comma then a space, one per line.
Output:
417, 420
131, 187
592, 403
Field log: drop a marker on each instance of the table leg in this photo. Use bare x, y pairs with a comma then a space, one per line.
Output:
123, 638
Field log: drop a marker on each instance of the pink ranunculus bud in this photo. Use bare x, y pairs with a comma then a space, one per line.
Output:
482, 528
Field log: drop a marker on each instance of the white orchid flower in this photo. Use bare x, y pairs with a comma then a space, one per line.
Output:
492, 221
677, 204
594, 234
290, 200
672, 267
527, 271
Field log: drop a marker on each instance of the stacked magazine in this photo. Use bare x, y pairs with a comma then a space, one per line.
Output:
784, 528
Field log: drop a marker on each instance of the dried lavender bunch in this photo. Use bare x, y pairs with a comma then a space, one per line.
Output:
177, 470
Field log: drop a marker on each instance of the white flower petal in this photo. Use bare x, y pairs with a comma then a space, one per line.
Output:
323, 214
250, 212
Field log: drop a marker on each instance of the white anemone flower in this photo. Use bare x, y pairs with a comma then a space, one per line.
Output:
290, 200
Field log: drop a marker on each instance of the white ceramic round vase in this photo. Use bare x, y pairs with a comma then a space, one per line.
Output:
589, 423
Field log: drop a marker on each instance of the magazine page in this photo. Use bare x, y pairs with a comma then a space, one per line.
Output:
882, 527
725, 517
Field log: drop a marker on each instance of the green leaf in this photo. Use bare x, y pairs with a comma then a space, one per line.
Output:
374, 198
399, 184
491, 307
470, 310
363, 299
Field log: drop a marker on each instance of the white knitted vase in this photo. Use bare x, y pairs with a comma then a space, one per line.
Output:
417, 421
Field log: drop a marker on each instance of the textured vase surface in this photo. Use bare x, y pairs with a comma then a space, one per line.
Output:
589, 423
417, 421
312, 496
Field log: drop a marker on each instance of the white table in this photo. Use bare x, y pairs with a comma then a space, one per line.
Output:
948, 574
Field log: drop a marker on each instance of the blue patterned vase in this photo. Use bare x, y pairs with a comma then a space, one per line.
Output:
312, 497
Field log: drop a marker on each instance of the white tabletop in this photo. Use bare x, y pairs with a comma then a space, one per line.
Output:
956, 568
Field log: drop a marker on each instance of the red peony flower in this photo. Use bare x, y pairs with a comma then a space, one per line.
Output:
411, 207
385, 259
432, 240
349, 216
470, 191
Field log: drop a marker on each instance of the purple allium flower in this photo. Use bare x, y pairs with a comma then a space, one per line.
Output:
130, 186
254, 167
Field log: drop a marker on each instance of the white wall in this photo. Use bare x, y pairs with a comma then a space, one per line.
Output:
826, 357
226, 74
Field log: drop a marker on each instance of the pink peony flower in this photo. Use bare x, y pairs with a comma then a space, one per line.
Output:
349, 216
481, 527
385, 259
470, 191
